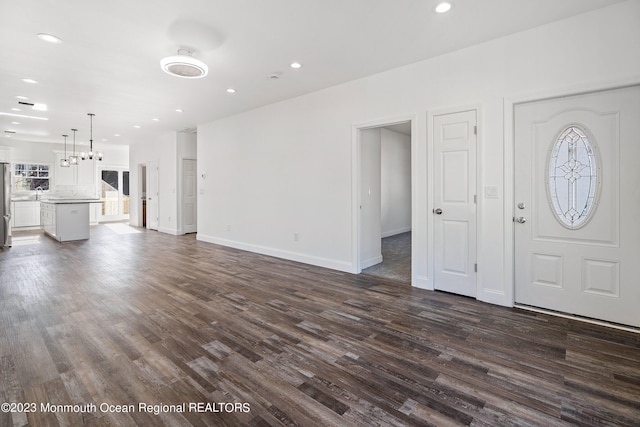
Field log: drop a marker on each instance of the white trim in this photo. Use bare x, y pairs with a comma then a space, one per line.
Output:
167, 230
396, 231
578, 318
278, 253
431, 114
371, 262
509, 104
355, 184
422, 282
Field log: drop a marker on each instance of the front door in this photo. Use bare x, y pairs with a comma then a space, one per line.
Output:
454, 214
577, 233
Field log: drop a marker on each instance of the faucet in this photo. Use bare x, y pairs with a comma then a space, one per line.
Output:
39, 191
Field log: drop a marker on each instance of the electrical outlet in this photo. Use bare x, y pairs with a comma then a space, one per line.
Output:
296, 237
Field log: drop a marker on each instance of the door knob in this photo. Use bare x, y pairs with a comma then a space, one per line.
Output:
437, 211
521, 205
521, 219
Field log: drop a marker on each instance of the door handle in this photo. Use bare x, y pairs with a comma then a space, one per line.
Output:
521, 219
437, 211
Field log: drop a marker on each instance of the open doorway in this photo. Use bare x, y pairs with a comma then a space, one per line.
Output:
142, 209
385, 201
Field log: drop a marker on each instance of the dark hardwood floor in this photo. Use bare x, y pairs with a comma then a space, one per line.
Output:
149, 318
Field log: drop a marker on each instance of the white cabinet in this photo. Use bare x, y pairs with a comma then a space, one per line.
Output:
5, 154
48, 218
81, 175
25, 213
86, 172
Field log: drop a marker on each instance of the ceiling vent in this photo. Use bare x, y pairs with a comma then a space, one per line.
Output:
184, 65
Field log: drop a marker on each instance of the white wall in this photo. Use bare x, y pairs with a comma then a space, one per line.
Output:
395, 182
287, 168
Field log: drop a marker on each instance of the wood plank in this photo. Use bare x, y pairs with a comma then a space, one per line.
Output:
167, 319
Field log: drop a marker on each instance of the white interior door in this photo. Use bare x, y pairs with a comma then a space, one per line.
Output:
189, 196
577, 234
454, 210
152, 196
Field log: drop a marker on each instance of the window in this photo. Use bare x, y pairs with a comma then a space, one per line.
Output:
29, 176
573, 177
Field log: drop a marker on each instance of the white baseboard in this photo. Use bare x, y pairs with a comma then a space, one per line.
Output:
371, 261
422, 282
279, 253
396, 231
168, 230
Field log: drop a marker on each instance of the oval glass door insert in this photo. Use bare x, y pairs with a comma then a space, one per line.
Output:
573, 183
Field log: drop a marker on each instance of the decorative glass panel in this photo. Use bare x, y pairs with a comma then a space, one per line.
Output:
573, 177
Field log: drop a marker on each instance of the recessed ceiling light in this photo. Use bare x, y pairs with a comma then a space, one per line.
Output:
15, 109
179, 110
155, 119
443, 7
231, 90
136, 126
49, 38
30, 81
104, 139
15, 123
116, 134
22, 97
296, 65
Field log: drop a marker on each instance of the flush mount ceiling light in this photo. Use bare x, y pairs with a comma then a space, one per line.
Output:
31, 81
184, 65
49, 38
443, 7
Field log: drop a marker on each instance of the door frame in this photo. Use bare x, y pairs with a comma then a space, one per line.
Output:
120, 170
509, 104
431, 114
142, 171
356, 151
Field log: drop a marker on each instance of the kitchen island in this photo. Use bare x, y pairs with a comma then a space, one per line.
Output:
66, 219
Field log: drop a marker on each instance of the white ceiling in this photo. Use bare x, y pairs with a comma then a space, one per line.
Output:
108, 63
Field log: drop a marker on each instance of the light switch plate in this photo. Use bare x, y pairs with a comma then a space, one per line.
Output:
490, 192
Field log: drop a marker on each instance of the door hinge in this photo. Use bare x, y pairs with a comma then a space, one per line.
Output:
475, 267
475, 130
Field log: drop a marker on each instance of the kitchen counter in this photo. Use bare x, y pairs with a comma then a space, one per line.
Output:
69, 201
66, 219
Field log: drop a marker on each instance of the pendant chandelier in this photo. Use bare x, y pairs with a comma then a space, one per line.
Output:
89, 155
73, 160
64, 163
